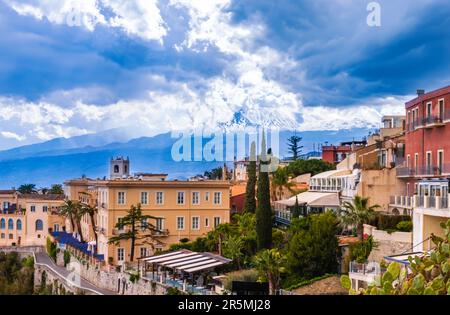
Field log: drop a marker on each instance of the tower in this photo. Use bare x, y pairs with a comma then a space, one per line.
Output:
119, 167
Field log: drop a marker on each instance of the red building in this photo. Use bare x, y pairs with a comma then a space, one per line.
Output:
427, 141
336, 154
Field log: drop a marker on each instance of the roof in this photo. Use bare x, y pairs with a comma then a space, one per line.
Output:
7, 192
333, 173
135, 182
347, 240
427, 96
42, 197
187, 261
312, 198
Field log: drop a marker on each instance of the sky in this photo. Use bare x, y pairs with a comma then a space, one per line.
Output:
73, 67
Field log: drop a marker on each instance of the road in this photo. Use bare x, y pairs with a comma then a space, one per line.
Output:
44, 259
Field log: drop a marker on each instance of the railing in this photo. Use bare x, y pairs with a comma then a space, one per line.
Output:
432, 119
370, 268
423, 171
164, 232
401, 201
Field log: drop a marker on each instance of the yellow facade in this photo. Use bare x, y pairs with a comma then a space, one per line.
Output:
27, 220
186, 210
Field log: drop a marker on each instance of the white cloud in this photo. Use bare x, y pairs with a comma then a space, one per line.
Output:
138, 17
12, 135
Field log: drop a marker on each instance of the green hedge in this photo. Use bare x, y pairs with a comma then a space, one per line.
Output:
388, 222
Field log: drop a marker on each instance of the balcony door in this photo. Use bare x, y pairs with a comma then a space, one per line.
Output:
440, 162
429, 164
441, 110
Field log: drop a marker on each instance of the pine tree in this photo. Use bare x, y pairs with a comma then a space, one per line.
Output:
294, 146
263, 210
250, 200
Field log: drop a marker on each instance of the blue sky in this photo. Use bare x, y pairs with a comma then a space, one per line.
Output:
71, 67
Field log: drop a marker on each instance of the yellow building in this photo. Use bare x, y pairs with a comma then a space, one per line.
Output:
27, 220
185, 209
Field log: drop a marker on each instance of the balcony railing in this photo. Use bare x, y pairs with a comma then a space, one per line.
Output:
423, 171
163, 232
433, 120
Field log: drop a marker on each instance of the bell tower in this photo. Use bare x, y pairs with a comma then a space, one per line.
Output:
119, 167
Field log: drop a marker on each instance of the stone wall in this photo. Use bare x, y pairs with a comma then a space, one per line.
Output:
394, 243
113, 280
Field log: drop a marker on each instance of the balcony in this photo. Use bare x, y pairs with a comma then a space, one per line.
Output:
423, 171
433, 120
160, 233
100, 230
405, 202
425, 202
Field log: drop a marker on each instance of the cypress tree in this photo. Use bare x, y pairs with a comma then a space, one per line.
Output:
264, 210
250, 193
296, 211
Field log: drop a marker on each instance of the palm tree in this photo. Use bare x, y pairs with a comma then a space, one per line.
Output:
91, 212
27, 189
233, 249
357, 213
270, 265
246, 223
281, 180
70, 210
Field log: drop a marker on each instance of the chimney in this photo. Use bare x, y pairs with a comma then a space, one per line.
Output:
420, 92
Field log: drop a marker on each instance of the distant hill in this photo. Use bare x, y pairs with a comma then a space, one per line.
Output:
60, 159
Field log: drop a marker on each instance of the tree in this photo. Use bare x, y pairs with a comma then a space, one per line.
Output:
135, 227
214, 174
263, 210
357, 213
56, 189
270, 265
296, 210
294, 146
280, 181
312, 167
27, 189
250, 192
233, 249
70, 210
430, 273
91, 212
313, 248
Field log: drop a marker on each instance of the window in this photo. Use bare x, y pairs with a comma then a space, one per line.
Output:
408, 161
217, 198
39, 225
206, 222
416, 163
10, 236
6, 205
116, 169
180, 223
3, 235
45, 209
19, 225
56, 227
143, 252
216, 221
144, 198
180, 198
440, 161
121, 254
429, 109
10, 224
195, 198
33, 208
121, 198
2, 224
159, 198
207, 196
429, 162
195, 223
159, 224
441, 109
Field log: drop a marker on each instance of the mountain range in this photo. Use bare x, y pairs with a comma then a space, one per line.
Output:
57, 160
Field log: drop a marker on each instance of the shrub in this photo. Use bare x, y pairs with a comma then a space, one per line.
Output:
66, 258
173, 291
405, 226
249, 275
361, 250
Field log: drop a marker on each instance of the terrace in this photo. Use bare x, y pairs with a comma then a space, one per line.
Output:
185, 270
66, 239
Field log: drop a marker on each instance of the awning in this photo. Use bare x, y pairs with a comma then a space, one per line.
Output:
312, 198
403, 258
187, 261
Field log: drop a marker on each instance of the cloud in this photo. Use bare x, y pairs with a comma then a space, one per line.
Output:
139, 17
12, 135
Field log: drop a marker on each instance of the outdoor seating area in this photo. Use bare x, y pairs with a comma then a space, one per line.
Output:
185, 270
64, 238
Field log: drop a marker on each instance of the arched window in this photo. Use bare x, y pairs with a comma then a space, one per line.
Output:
10, 224
19, 225
116, 168
2, 224
39, 225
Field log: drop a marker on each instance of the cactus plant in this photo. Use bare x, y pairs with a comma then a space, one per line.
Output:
430, 275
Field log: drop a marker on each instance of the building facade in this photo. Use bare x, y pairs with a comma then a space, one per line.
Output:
426, 170
184, 210
27, 220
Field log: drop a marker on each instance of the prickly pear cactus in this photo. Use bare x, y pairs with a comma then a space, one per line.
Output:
429, 275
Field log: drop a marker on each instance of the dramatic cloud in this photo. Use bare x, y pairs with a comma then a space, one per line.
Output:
152, 66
